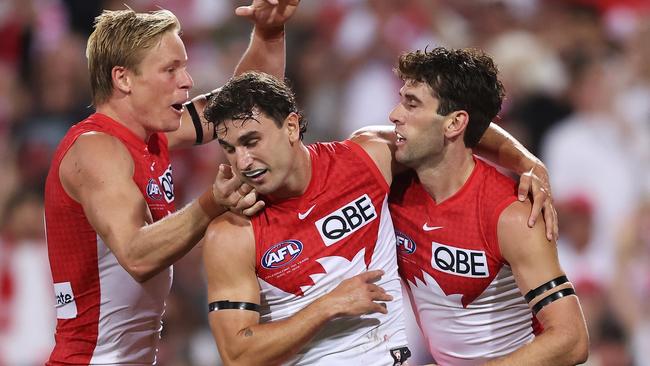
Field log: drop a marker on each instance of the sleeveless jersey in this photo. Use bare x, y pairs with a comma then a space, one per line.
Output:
104, 316
467, 302
306, 245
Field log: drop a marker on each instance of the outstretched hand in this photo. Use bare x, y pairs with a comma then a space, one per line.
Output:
234, 195
269, 15
536, 181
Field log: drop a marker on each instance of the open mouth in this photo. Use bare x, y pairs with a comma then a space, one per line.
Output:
400, 138
255, 173
178, 107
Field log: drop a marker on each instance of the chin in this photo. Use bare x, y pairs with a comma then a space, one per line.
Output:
171, 126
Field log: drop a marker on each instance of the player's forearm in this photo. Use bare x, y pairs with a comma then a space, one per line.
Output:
274, 342
266, 53
554, 347
157, 246
498, 146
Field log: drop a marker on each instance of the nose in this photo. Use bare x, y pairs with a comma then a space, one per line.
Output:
186, 80
395, 115
244, 159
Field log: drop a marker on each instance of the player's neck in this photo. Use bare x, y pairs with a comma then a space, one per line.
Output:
123, 116
447, 173
299, 178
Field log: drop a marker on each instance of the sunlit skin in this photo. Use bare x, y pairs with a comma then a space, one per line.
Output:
149, 99
271, 159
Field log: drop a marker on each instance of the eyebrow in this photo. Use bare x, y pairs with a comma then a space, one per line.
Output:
411, 97
242, 139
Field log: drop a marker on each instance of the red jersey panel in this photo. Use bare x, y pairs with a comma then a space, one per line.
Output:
307, 245
468, 304
104, 315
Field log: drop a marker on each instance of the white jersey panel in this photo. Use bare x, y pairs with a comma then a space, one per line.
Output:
493, 325
130, 313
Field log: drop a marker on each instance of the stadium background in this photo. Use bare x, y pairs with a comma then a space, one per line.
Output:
577, 75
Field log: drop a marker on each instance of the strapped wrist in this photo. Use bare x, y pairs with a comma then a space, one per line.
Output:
209, 205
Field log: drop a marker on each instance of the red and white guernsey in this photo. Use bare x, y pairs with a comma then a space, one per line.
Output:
467, 302
104, 315
307, 245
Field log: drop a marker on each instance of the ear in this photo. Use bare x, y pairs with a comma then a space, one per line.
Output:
292, 123
456, 124
121, 79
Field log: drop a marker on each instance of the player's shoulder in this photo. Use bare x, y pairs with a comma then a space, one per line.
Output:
229, 237
228, 226
97, 154
382, 135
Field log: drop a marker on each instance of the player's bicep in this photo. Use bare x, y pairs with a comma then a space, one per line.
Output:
533, 259
233, 290
97, 172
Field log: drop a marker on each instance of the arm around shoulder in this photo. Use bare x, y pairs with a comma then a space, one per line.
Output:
534, 262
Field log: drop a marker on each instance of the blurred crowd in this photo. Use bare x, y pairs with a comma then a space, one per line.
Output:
577, 74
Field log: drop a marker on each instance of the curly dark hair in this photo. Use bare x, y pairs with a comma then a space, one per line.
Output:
247, 93
461, 79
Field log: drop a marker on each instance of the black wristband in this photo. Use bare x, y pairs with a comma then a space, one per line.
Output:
545, 287
196, 120
226, 305
552, 297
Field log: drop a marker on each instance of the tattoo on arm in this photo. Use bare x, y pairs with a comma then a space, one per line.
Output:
246, 332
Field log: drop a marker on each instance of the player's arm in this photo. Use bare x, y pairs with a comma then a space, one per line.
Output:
564, 339
265, 52
229, 259
497, 146
97, 172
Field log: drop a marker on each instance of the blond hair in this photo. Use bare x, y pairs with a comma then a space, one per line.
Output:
121, 38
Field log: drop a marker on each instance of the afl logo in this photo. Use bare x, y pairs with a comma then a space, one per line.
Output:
153, 190
404, 243
281, 254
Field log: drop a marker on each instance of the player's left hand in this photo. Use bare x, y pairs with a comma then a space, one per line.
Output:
536, 181
269, 16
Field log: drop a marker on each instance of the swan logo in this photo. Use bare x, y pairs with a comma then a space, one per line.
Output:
281, 254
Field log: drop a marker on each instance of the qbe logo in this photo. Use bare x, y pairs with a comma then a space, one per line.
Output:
404, 243
460, 262
346, 220
167, 184
281, 254
153, 190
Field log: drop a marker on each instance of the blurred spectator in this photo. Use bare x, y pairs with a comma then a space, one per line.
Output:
587, 155
577, 74
27, 315
630, 291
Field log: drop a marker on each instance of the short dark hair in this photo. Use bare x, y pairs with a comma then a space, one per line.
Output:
247, 93
461, 79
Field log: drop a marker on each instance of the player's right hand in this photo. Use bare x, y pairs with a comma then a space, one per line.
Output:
359, 295
230, 192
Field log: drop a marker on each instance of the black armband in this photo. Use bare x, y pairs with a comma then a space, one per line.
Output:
227, 305
552, 297
545, 287
196, 120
